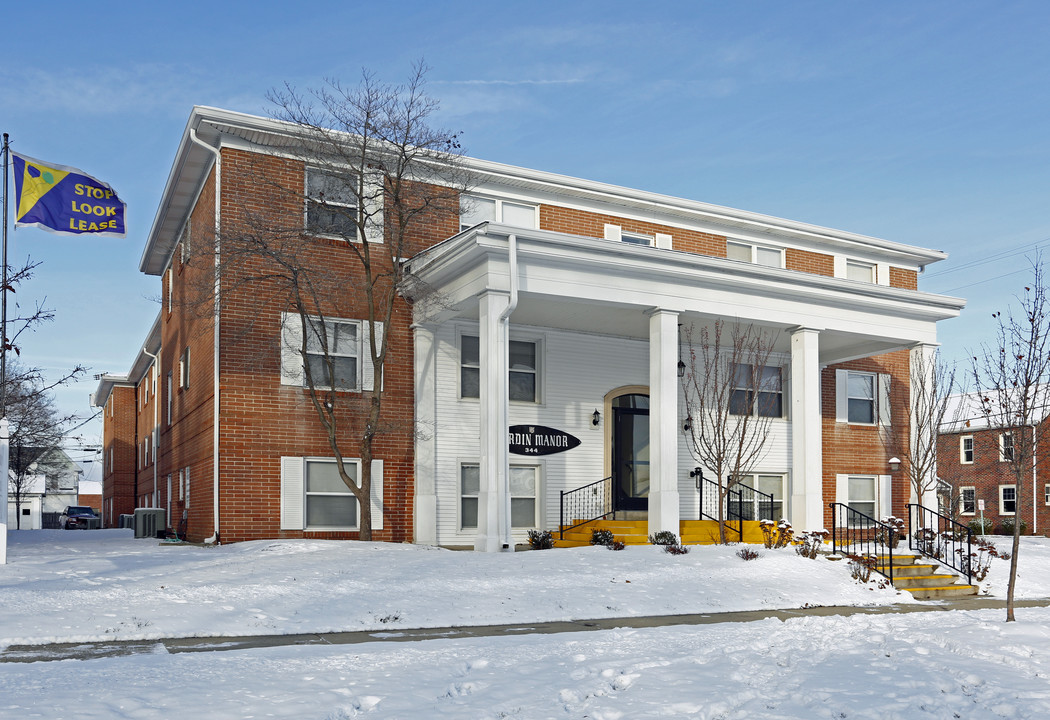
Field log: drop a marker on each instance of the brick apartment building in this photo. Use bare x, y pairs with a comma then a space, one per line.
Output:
212, 424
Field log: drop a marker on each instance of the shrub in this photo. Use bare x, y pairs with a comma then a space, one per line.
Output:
891, 534
860, 567
664, 537
676, 549
615, 545
602, 537
748, 554
776, 535
541, 539
1007, 527
981, 527
810, 543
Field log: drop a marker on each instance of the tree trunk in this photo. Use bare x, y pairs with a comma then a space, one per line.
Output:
1013, 563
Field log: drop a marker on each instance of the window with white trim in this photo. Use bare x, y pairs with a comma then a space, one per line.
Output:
184, 369
1006, 447
1046, 494
331, 204
760, 507
329, 503
767, 400
186, 475
862, 494
860, 271
632, 238
967, 500
756, 254
170, 389
524, 369
474, 209
1007, 499
339, 369
966, 449
860, 397
168, 290
184, 243
524, 485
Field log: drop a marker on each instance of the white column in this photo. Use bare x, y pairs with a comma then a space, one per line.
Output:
664, 513
807, 465
493, 431
424, 515
922, 360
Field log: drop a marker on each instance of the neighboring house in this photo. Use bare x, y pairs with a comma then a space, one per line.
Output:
50, 484
975, 458
211, 422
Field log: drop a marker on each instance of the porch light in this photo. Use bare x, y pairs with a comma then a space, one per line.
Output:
687, 425
681, 369
596, 417
895, 464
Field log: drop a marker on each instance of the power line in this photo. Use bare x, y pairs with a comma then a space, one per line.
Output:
1038, 245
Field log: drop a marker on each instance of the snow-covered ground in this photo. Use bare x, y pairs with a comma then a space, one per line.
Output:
80, 586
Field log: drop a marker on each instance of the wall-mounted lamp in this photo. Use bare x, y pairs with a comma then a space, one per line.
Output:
895, 464
596, 417
681, 369
687, 425
681, 364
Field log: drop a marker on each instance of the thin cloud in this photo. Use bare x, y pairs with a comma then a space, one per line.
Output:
569, 81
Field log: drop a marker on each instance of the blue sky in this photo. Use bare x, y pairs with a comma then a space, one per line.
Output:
922, 123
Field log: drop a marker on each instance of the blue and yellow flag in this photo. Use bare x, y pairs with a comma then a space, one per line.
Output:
64, 200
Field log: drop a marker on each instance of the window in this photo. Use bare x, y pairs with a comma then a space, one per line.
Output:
967, 500
329, 502
860, 398
1006, 447
184, 370
768, 401
635, 239
862, 494
523, 369
966, 449
341, 339
169, 398
1046, 494
523, 505
759, 508
182, 485
757, 254
1007, 499
860, 271
474, 210
167, 292
184, 244
331, 204
186, 476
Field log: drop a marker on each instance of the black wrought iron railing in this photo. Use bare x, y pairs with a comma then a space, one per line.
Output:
586, 504
742, 502
863, 539
941, 538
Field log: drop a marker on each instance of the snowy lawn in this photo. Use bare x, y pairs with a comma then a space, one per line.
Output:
78, 586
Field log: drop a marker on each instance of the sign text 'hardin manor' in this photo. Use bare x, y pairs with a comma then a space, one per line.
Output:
540, 440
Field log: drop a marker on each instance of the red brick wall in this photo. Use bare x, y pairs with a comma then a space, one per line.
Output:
588, 224
905, 279
118, 438
811, 262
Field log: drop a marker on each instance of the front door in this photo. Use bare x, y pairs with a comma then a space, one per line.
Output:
630, 451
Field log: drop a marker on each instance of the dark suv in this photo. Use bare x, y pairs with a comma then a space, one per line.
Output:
79, 517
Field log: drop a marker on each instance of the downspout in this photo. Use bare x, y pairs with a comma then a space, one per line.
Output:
1035, 478
215, 342
155, 441
504, 320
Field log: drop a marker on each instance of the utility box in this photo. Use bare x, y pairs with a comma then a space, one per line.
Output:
126, 521
148, 521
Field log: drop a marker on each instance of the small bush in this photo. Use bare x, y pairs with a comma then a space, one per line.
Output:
860, 567
810, 543
615, 545
776, 535
676, 549
602, 537
748, 554
891, 534
981, 527
664, 537
1007, 527
541, 539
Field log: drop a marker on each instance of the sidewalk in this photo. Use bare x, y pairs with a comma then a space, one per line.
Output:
117, 648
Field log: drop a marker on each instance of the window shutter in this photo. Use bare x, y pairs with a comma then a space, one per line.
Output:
291, 493
368, 379
842, 489
841, 404
291, 344
612, 232
377, 494
373, 206
663, 241
885, 496
885, 409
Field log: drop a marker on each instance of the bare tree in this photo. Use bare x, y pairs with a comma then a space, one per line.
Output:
1013, 380
731, 397
378, 175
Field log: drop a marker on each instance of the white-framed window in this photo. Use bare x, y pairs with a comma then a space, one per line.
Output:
767, 400
170, 389
967, 500
862, 494
1007, 499
1046, 494
331, 204
757, 254
523, 383
860, 398
1006, 447
633, 238
168, 288
328, 503
524, 493
966, 449
184, 369
760, 507
474, 209
348, 347
860, 271
186, 479
182, 485
184, 243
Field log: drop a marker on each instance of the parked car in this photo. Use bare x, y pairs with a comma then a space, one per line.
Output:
79, 517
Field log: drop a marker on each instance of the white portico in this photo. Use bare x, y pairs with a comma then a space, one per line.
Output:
599, 317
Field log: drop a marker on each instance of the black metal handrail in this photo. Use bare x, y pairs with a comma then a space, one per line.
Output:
587, 504
742, 502
859, 537
941, 538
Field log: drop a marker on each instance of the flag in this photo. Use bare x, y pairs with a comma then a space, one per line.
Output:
64, 200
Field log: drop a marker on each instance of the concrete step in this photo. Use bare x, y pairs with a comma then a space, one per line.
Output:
910, 570
938, 593
924, 581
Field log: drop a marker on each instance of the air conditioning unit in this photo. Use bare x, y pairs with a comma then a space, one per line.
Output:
148, 521
126, 521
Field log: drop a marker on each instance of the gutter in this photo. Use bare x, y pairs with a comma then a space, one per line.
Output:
215, 342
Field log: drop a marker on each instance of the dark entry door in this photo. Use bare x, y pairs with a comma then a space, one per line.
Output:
630, 451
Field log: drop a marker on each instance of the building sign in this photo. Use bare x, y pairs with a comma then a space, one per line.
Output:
540, 440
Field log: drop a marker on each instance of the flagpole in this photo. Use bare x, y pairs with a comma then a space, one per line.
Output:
4, 430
